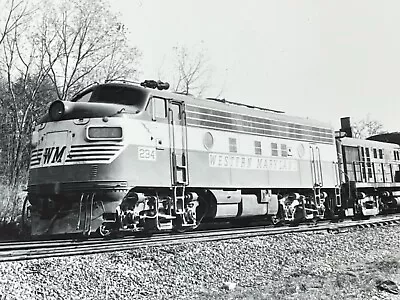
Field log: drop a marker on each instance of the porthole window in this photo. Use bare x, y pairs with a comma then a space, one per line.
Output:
208, 140
301, 150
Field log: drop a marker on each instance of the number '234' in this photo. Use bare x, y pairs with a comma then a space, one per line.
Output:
145, 153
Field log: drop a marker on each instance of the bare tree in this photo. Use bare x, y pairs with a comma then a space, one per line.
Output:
46, 54
367, 127
193, 71
25, 68
12, 15
69, 45
22, 102
86, 43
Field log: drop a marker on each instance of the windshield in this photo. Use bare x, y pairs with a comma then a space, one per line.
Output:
115, 94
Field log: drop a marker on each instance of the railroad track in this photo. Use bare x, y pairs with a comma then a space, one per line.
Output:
15, 251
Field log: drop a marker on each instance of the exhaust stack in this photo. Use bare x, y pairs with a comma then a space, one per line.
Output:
346, 126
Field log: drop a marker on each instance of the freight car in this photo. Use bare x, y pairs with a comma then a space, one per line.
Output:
124, 156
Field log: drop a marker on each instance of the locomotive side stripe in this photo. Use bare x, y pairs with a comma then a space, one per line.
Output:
93, 149
89, 160
35, 157
270, 120
91, 153
109, 154
210, 115
253, 125
257, 131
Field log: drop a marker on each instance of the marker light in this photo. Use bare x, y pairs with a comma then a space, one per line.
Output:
56, 110
104, 133
155, 84
162, 85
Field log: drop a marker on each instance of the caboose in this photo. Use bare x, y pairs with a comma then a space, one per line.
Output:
136, 157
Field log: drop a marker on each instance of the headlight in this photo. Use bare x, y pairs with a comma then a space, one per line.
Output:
35, 139
104, 133
56, 110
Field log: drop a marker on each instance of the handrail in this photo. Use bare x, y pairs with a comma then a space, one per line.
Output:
319, 164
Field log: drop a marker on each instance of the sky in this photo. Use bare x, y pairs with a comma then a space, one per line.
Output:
318, 59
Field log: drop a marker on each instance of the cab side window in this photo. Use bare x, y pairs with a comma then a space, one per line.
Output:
159, 108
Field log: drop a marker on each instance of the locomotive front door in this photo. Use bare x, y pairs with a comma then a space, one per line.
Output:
178, 143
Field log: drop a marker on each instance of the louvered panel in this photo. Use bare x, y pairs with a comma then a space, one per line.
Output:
35, 157
92, 153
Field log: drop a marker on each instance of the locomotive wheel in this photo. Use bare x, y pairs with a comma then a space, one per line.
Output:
276, 221
104, 231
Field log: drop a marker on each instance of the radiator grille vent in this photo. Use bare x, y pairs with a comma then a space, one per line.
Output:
92, 153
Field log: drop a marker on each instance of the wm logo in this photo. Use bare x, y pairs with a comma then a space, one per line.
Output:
53, 155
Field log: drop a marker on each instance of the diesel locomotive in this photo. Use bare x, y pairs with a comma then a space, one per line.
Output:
133, 157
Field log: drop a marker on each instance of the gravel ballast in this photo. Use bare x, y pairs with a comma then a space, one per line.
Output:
317, 265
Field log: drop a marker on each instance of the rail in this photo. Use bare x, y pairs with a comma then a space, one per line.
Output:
16, 251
